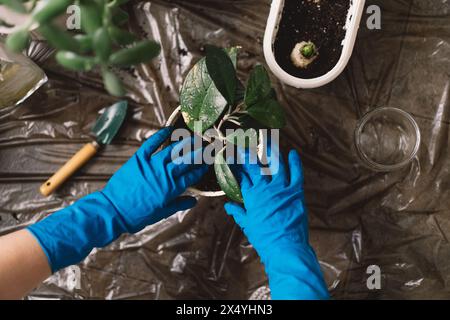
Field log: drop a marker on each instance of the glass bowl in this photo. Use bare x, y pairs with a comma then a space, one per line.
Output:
387, 139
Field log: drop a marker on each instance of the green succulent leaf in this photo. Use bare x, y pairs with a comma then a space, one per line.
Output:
226, 179
117, 3
73, 61
269, 113
243, 138
50, 10
258, 87
200, 100
91, 16
18, 40
84, 42
120, 16
222, 71
121, 37
141, 52
113, 84
309, 50
58, 38
102, 44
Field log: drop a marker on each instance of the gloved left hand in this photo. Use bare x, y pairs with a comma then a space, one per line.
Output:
144, 191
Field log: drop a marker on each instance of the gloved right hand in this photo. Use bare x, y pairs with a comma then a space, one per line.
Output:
275, 222
144, 191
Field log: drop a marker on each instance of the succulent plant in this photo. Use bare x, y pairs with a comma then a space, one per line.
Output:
309, 50
102, 41
303, 54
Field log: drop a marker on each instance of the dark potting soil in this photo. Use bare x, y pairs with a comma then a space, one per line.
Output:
322, 23
209, 181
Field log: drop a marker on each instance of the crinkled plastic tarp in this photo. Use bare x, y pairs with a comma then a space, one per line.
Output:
399, 221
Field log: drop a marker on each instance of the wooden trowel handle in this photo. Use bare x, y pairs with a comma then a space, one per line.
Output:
66, 171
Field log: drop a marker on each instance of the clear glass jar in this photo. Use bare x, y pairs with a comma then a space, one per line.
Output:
387, 139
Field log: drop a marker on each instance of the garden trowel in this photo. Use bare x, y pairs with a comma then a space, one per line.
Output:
104, 130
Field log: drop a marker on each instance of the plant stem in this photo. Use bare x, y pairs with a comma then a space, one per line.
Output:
231, 115
235, 122
219, 133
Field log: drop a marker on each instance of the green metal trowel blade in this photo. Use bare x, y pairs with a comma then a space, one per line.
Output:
109, 123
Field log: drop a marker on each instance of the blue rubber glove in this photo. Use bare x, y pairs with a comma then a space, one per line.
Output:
275, 222
144, 191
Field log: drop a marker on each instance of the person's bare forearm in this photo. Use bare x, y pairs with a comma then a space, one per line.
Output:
23, 264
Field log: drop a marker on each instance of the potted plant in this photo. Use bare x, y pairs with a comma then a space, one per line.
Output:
102, 41
216, 105
308, 43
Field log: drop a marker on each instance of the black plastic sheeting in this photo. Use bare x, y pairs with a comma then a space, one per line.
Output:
399, 221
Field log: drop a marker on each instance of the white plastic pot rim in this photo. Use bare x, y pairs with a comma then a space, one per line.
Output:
353, 20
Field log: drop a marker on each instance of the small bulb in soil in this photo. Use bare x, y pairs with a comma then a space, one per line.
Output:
304, 54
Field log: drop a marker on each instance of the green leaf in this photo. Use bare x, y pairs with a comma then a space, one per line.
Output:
113, 84
309, 50
258, 86
84, 42
240, 92
102, 44
226, 179
74, 61
248, 122
91, 16
243, 138
199, 98
50, 10
116, 3
143, 51
222, 72
120, 16
18, 40
268, 113
232, 53
121, 37
58, 38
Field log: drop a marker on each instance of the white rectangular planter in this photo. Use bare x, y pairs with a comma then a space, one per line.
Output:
353, 20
